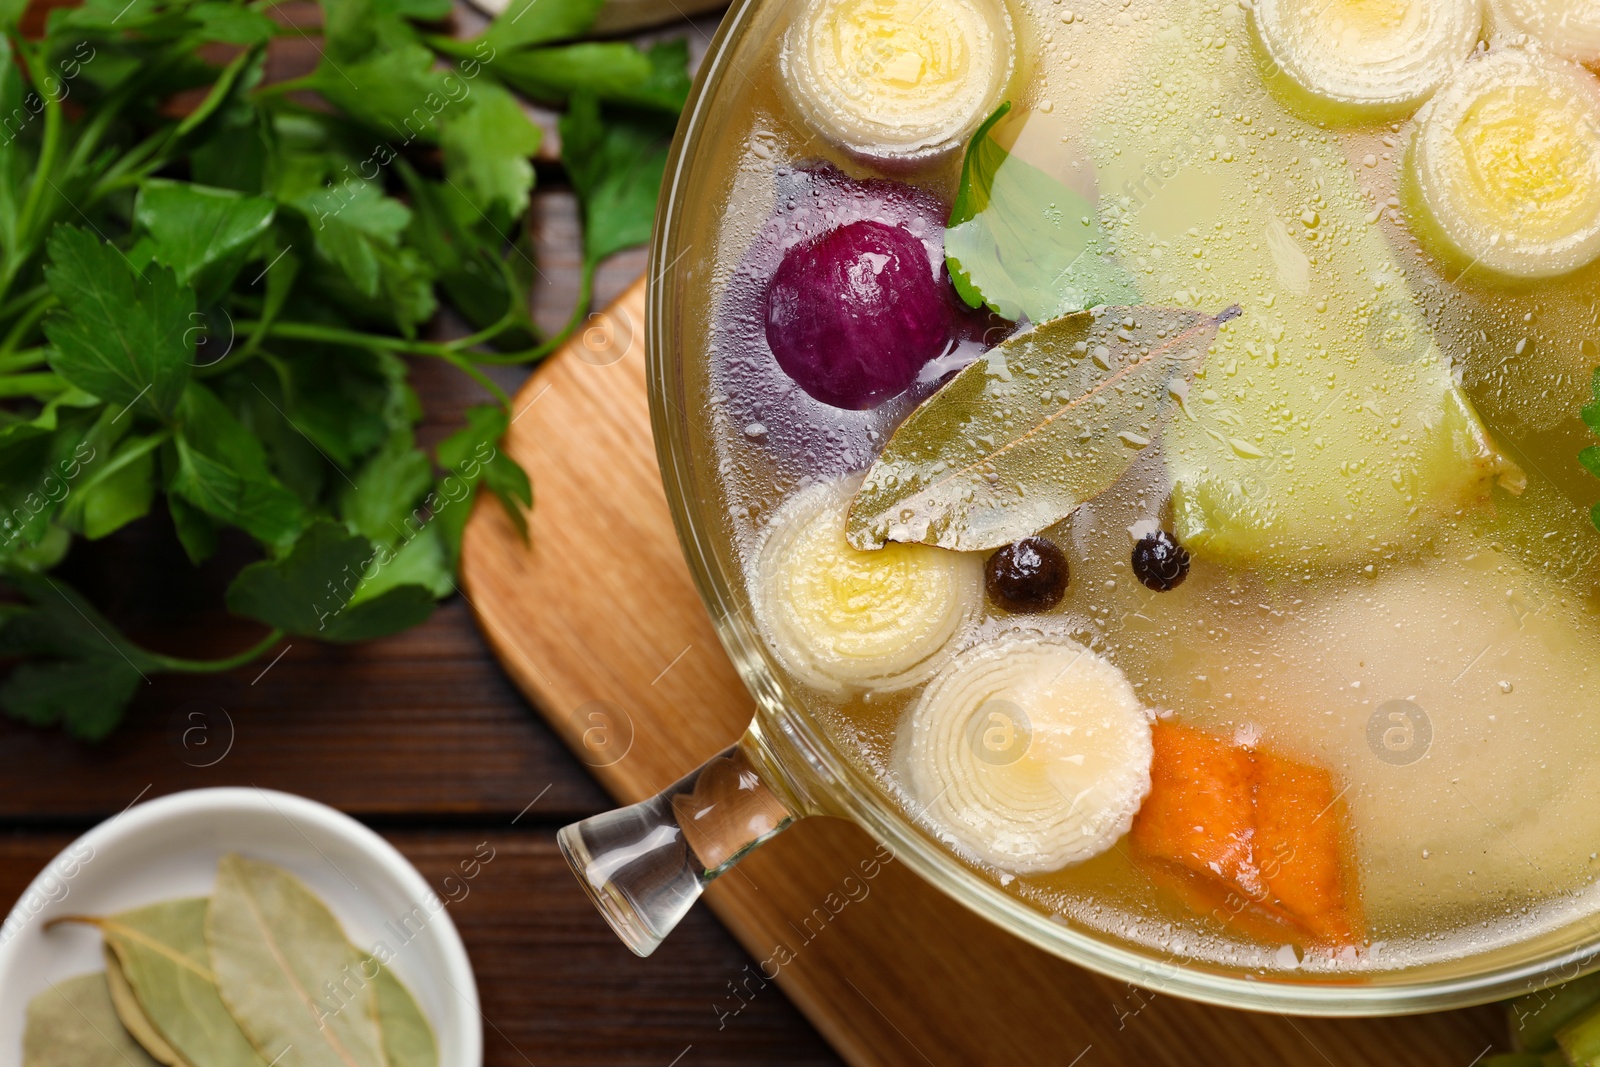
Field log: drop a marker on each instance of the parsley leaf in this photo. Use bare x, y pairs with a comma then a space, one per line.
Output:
1590, 457
616, 162
204, 234
359, 230
82, 671
123, 337
309, 591
396, 92
613, 71
470, 456
146, 355
386, 491
530, 22
1024, 244
222, 470
486, 152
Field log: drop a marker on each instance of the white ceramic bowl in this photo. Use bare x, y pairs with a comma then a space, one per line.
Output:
169, 847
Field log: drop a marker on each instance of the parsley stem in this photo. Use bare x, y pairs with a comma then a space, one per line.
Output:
451, 353
23, 325
488, 333
305, 82
580, 312
22, 300
49, 149
462, 364
28, 357
213, 666
31, 384
333, 335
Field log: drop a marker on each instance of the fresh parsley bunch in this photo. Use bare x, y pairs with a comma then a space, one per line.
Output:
210, 289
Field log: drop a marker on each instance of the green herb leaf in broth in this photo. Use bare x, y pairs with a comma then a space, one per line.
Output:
137, 1023
1590, 457
408, 1039
1037, 426
73, 1024
161, 950
286, 971
1022, 243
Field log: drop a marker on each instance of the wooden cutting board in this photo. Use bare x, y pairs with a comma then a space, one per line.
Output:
597, 621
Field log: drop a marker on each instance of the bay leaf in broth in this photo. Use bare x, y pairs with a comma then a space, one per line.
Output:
132, 1015
408, 1039
1037, 426
73, 1024
286, 971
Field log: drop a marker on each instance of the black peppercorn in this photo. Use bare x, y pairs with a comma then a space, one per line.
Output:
1160, 562
1027, 577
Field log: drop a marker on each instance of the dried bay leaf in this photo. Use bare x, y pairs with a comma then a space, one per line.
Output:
73, 1024
1037, 426
408, 1039
126, 1002
286, 971
162, 953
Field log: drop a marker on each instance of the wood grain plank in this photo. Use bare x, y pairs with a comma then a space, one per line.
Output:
420, 723
898, 973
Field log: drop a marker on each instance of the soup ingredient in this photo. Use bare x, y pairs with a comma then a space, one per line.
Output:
126, 1002
73, 1024
1579, 1040
408, 1039
162, 955
273, 945
1452, 692
1505, 166
1255, 823
1159, 562
164, 961
1027, 577
1022, 243
896, 78
841, 619
1040, 424
807, 437
1200, 814
1365, 59
1288, 455
1029, 752
1535, 1018
853, 315
1590, 457
1569, 28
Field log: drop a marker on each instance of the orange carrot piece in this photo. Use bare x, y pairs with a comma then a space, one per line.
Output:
1300, 846
1199, 811
1253, 838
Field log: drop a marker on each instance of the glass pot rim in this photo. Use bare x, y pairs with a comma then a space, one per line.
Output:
822, 781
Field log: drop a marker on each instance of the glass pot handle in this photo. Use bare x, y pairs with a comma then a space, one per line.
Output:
645, 865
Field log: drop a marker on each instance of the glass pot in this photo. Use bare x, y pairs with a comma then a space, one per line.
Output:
645, 865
